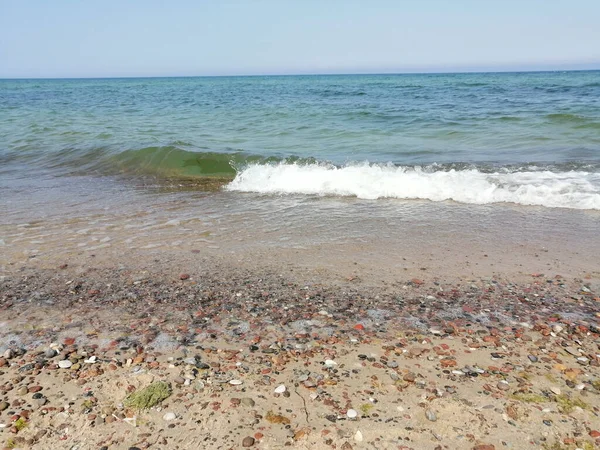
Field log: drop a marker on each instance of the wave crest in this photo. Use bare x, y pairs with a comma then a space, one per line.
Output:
569, 189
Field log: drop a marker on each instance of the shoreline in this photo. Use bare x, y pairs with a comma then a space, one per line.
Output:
420, 363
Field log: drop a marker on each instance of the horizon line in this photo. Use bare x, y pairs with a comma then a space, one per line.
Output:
275, 74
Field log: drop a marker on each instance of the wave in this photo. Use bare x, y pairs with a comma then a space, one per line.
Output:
578, 189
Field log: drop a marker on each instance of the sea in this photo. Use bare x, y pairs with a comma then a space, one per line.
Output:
362, 166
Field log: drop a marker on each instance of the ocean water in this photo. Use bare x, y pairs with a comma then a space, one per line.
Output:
472, 139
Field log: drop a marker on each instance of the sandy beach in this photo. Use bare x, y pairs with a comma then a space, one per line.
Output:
265, 357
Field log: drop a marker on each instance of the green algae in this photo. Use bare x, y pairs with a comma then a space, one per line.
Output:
149, 396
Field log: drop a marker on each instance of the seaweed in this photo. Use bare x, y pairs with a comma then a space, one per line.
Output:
149, 396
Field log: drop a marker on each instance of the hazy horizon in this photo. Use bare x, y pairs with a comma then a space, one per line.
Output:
596, 68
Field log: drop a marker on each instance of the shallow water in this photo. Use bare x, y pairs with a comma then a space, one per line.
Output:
380, 176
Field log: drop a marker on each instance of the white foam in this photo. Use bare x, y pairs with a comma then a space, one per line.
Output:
572, 189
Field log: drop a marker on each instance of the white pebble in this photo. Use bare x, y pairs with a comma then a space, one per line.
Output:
330, 363
65, 364
351, 413
169, 416
90, 360
358, 437
280, 389
235, 382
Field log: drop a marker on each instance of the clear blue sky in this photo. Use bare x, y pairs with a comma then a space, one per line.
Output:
81, 38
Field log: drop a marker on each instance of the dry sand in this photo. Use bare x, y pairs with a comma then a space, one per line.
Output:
268, 358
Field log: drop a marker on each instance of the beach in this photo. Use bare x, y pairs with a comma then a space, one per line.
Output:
348, 262
281, 346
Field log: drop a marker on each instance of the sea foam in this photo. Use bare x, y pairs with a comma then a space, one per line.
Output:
568, 189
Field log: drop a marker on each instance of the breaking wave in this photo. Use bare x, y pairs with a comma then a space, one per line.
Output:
578, 189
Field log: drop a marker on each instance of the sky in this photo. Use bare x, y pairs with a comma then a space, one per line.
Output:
111, 38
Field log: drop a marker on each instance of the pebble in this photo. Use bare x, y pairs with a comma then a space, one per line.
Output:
50, 353
169, 416
431, 416
247, 401
330, 363
22, 390
358, 436
8, 354
248, 441
503, 385
280, 389
235, 382
409, 377
532, 358
555, 390
65, 364
572, 351
3, 406
351, 413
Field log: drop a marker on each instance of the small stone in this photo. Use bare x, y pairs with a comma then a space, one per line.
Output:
572, 351
235, 382
352, 414
50, 353
555, 390
169, 416
358, 436
431, 416
22, 390
532, 358
3, 406
484, 447
65, 364
330, 363
8, 354
248, 441
503, 385
415, 351
184, 276
547, 422
247, 401
595, 434
280, 389
179, 380
409, 377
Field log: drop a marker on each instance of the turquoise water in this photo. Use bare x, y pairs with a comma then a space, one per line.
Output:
529, 138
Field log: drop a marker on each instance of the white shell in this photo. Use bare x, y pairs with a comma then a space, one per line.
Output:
280, 389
